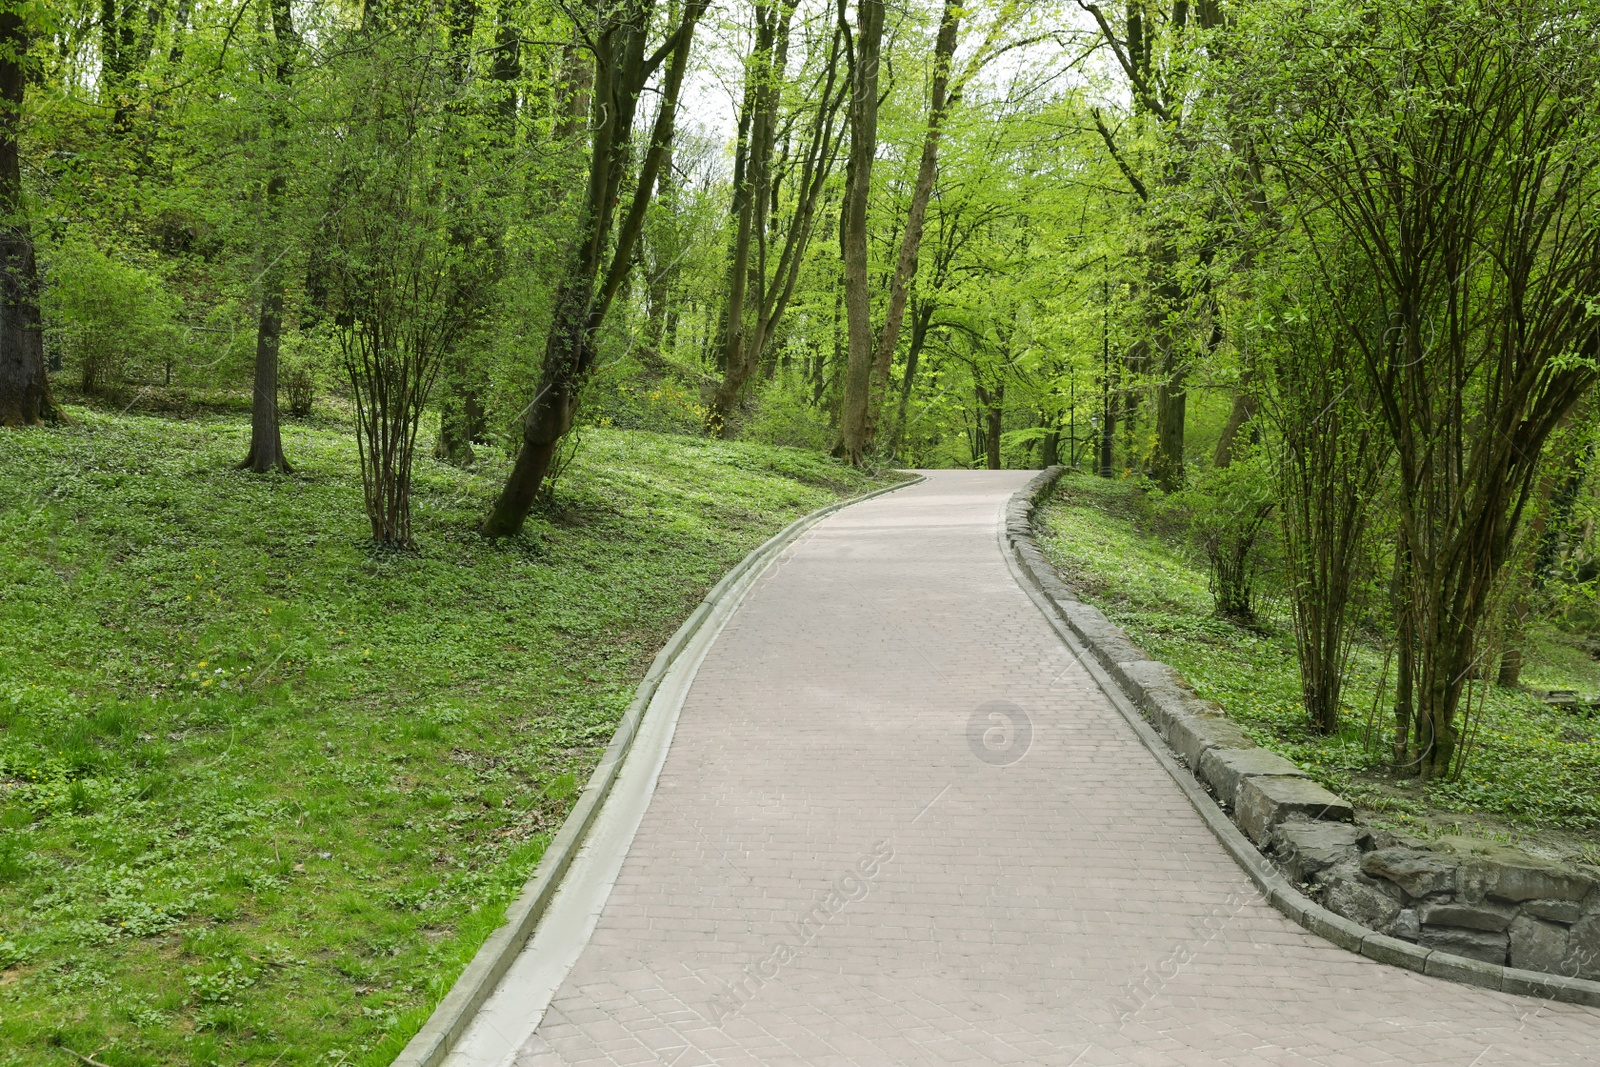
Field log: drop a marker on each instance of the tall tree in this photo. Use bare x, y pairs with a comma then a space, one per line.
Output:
759, 292
940, 100
865, 54
266, 440
622, 70
1156, 53
24, 385
1455, 156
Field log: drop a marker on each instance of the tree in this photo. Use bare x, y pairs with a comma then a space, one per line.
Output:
24, 385
266, 442
866, 46
617, 38
758, 182
1157, 55
1327, 457
1451, 147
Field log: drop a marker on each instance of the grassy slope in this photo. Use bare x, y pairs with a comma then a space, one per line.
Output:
1533, 770
263, 789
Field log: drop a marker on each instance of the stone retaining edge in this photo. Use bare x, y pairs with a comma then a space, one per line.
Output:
1114, 661
430, 1045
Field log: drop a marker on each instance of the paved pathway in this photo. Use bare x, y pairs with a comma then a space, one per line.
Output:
828, 874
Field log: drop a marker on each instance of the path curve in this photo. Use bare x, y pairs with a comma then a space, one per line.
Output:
842, 862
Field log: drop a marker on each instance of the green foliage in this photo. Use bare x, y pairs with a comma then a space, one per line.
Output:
1228, 511
783, 417
1532, 768
264, 789
106, 318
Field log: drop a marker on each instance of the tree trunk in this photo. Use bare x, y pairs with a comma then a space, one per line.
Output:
1405, 645
266, 442
752, 167
461, 415
1171, 410
24, 386
1243, 410
1108, 424
665, 250
852, 442
994, 412
905, 270
919, 338
620, 77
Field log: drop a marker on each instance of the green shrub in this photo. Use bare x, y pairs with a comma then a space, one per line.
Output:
107, 318
782, 418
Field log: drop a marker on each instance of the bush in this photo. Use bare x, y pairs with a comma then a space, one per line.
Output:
632, 395
306, 359
782, 417
1228, 510
105, 317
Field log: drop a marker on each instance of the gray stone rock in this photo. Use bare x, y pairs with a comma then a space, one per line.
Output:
1537, 945
1559, 911
1190, 735
1304, 848
1359, 899
1418, 873
1406, 925
1169, 711
1473, 944
1536, 883
1509, 874
1106, 641
1266, 801
1224, 768
1583, 949
1491, 917
1150, 681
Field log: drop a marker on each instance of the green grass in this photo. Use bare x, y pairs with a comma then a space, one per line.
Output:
1533, 772
263, 788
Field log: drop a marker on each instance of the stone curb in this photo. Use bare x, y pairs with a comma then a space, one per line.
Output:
444, 1028
1133, 682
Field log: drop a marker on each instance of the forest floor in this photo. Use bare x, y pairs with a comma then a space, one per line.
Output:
264, 788
1533, 774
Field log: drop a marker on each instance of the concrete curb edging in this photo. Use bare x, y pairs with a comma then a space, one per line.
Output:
450, 1018
1132, 680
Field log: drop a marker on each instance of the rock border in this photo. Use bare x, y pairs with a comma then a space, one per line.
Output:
450, 1018
1261, 791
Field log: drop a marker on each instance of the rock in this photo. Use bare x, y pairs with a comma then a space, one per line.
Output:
1265, 801
1536, 945
1224, 768
1406, 925
1190, 735
1418, 873
1150, 683
1509, 874
1583, 949
1473, 944
1491, 917
1560, 911
1304, 848
1106, 641
1535, 883
1359, 899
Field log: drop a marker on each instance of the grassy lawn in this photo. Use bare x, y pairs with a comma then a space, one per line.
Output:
265, 789
1534, 772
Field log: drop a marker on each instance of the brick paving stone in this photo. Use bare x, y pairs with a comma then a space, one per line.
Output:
828, 874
